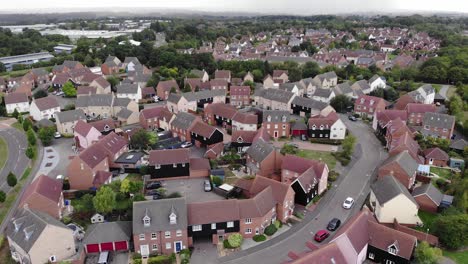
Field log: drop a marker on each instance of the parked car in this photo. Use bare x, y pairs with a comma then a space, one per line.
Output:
207, 185
334, 224
348, 203
153, 192
57, 135
60, 93
352, 118
157, 196
321, 235
186, 144
292, 144
303, 137
153, 185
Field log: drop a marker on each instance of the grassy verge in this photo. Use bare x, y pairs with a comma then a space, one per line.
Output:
3, 152
428, 219
326, 157
13, 195
442, 172
460, 257
451, 91
18, 126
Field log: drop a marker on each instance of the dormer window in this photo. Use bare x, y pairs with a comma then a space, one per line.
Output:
28, 231
146, 219
269, 118
173, 219
393, 248
283, 118
362, 100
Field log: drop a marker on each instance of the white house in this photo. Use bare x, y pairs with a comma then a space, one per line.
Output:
327, 126
323, 95
245, 122
45, 107
377, 82
424, 94
390, 200
130, 91
67, 120
18, 101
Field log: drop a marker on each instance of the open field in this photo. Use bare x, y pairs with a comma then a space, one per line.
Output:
326, 157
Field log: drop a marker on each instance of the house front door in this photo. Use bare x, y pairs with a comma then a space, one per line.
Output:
144, 251
177, 246
431, 161
275, 134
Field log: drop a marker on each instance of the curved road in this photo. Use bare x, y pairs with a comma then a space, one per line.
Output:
368, 155
17, 161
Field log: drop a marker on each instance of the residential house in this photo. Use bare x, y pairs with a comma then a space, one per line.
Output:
214, 151
305, 106
66, 121
308, 178
203, 75
294, 88
384, 118
114, 146
361, 87
108, 236
281, 75
459, 145
401, 166
424, 94
111, 65
415, 112
182, 124
102, 85
367, 105
204, 134
45, 107
104, 126
32, 237
90, 169
269, 83
435, 157
44, 194
169, 163
277, 123
220, 114
127, 117
403, 101
298, 129
391, 201
67, 66
242, 139
323, 95
16, 101
262, 158
328, 127
156, 117
163, 89
131, 64
326, 80
405, 142
344, 88
217, 84
40, 76
192, 100
249, 77
377, 82
244, 121
223, 74
430, 199
85, 90
130, 91
85, 135
438, 125
160, 226
240, 95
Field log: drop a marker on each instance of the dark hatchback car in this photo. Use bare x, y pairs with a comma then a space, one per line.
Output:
153, 185
334, 224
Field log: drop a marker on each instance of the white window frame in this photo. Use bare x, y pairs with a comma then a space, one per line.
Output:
213, 226
248, 221
196, 228
154, 247
174, 165
142, 236
230, 224
154, 236
167, 234
371, 255
157, 166
168, 245
179, 233
248, 231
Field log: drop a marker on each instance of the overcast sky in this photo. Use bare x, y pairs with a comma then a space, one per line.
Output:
301, 7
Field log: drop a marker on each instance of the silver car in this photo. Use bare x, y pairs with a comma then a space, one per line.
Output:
207, 185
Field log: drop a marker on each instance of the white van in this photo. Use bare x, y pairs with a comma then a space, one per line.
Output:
103, 257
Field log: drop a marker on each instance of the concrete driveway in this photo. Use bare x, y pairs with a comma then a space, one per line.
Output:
307, 145
59, 154
355, 182
204, 252
191, 189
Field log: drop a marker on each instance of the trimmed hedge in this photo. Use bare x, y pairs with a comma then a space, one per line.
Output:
259, 238
160, 260
270, 230
226, 244
278, 224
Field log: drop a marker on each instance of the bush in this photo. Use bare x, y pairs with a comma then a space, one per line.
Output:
235, 240
217, 181
174, 195
2, 196
66, 220
160, 260
270, 230
259, 238
31, 137
226, 244
137, 261
136, 256
299, 215
30, 152
26, 124
278, 224
11, 179
144, 170
332, 176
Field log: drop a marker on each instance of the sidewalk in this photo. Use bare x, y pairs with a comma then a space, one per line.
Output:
249, 242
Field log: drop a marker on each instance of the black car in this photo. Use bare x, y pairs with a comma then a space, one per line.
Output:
157, 196
153, 192
334, 224
153, 185
352, 118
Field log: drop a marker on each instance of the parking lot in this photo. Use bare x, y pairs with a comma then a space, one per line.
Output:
191, 189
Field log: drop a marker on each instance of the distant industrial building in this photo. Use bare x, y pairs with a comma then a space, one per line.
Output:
64, 48
25, 59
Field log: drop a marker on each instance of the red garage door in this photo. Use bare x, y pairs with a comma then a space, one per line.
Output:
121, 245
107, 246
92, 248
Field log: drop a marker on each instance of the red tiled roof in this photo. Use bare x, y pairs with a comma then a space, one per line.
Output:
46, 103
296, 164
24, 89
169, 156
148, 91
221, 109
326, 121
82, 128
102, 82
405, 142
277, 73
222, 74
167, 85
152, 112
435, 153
257, 206
262, 133
420, 108
212, 212
246, 136
279, 189
199, 164
215, 148
244, 184
218, 82
385, 116
203, 129
403, 101
323, 255
93, 155
112, 143
368, 99
101, 124
240, 90
382, 237
45, 186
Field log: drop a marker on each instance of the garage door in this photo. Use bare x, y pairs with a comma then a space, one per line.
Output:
92, 248
107, 246
121, 245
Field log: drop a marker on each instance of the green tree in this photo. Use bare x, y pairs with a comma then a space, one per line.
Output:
235, 240
104, 201
15, 113
187, 88
425, 254
40, 94
2, 67
30, 152
11, 179
69, 90
341, 103
2, 196
310, 69
452, 230
142, 139
31, 137
46, 134
288, 149
27, 124
129, 186
113, 81
87, 203
173, 90
348, 145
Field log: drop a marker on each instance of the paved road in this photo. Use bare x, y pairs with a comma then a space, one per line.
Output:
17, 161
443, 90
355, 183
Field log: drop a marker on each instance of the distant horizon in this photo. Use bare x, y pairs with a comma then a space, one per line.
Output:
248, 7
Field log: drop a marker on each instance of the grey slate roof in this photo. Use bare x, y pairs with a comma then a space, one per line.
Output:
159, 211
459, 144
183, 120
276, 95
276, 116
325, 93
438, 120
387, 188
407, 163
108, 232
127, 88
288, 86
360, 85
342, 88
32, 222
309, 103
375, 77
124, 113
94, 100
327, 75
174, 98
431, 191
197, 73
70, 116
260, 150
123, 102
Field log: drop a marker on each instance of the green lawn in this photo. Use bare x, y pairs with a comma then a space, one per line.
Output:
18, 126
326, 157
442, 172
428, 219
460, 257
12, 195
3, 152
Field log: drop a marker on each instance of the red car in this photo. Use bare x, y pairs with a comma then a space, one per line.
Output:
321, 235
